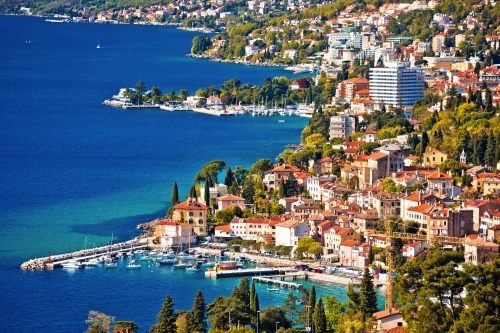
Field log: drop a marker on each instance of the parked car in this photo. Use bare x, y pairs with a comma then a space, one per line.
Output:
302, 267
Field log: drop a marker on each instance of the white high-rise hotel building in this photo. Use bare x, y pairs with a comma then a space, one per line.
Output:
396, 84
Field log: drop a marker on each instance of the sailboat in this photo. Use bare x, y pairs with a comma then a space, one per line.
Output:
98, 45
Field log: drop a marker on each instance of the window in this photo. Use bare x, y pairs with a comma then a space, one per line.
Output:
191, 214
201, 213
200, 221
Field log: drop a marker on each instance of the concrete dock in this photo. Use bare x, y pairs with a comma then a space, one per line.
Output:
83, 255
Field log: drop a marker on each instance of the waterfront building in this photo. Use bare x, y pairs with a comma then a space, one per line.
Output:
251, 228
194, 213
289, 232
354, 254
396, 84
171, 233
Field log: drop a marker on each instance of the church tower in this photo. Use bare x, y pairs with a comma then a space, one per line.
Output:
463, 157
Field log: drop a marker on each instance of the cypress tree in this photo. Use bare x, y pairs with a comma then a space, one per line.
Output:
229, 179
497, 148
489, 155
424, 141
198, 314
311, 304
367, 296
319, 320
470, 95
282, 189
175, 195
207, 192
192, 192
166, 317
371, 256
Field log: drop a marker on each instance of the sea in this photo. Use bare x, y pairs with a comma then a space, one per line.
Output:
77, 174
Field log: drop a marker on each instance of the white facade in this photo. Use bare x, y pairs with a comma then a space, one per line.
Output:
288, 233
313, 188
396, 84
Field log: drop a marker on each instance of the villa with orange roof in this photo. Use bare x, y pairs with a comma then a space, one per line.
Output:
224, 231
193, 213
354, 254
289, 232
438, 183
336, 235
230, 200
282, 171
348, 88
171, 233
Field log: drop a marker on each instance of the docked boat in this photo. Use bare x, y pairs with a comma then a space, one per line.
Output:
193, 269
146, 258
110, 264
208, 264
73, 264
182, 265
166, 261
133, 264
273, 289
91, 262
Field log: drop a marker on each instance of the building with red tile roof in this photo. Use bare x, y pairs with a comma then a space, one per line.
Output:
193, 213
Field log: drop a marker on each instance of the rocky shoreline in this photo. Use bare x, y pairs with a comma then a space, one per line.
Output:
234, 61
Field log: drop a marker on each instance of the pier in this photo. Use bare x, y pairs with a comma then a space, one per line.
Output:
280, 280
83, 255
120, 104
247, 272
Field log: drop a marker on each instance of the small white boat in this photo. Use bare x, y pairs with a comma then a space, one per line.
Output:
262, 262
91, 262
166, 261
146, 258
133, 264
273, 289
193, 269
281, 121
98, 45
139, 251
110, 264
182, 265
73, 264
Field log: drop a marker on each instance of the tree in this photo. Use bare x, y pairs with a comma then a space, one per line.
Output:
367, 148
210, 171
272, 315
192, 192
282, 189
304, 247
261, 166
206, 194
424, 141
217, 313
99, 322
291, 185
229, 179
319, 318
290, 307
367, 296
311, 303
333, 312
166, 317
248, 191
315, 140
132, 326
175, 195
198, 314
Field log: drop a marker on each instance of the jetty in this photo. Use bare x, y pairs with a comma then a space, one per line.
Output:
123, 105
83, 255
247, 272
280, 280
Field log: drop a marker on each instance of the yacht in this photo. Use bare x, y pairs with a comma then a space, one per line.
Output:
133, 264
91, 262
110, 264
181, 265
74, 264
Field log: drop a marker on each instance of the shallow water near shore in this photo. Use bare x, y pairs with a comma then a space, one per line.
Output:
75, 172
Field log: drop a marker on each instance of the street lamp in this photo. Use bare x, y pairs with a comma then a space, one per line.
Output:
258, 321
229, 319
277, 326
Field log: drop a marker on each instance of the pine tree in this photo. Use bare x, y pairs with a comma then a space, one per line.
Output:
166, 317
367, 296
198, 314
175, 195
319, 320
497, 148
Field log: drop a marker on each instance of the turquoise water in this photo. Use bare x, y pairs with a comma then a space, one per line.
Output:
76, 171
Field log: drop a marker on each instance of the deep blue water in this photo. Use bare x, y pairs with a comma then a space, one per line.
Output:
73, 169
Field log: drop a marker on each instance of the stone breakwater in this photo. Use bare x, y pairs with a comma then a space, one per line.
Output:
148, 227
58, 259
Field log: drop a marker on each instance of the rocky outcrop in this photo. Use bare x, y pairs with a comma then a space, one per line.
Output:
148, 227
